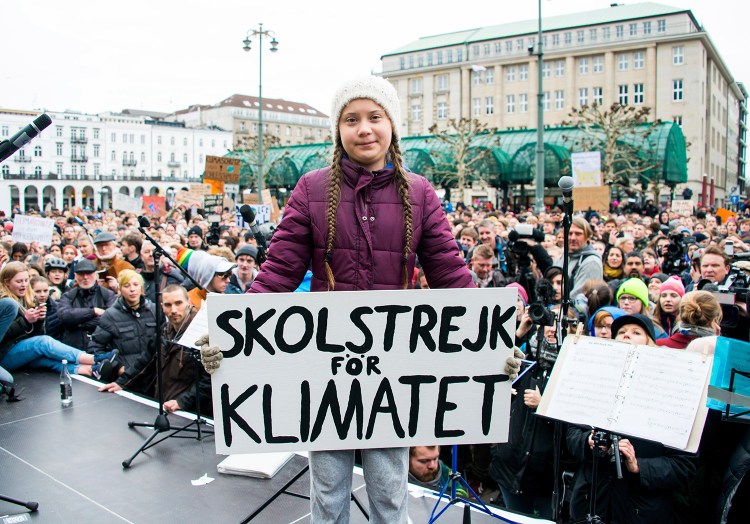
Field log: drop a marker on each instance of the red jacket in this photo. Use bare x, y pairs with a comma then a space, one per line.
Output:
676, 341
370, 236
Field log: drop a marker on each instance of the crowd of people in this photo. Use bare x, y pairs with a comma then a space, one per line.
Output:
641, 277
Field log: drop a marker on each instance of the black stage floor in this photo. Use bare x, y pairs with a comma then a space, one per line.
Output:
70, 462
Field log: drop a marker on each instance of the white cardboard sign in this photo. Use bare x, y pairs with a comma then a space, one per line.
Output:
127, 203
587, 168
28, 229
324, 371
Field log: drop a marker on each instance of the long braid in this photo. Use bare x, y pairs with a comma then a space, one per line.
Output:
334, 196
402, 182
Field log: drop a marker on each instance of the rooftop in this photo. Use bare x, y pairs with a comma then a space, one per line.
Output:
253, 102
607, 15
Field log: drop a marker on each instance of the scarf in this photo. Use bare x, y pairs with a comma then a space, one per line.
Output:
611, 273
693, 331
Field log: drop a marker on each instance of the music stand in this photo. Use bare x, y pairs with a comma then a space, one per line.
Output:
33, 506
161, 424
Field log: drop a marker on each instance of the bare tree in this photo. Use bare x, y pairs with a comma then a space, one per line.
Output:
469, 142
621, 133
246, 148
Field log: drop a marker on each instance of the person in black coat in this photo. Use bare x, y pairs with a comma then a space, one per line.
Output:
129, 326
81, 307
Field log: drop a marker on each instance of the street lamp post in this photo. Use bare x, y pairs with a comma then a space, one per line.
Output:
539, 194
260, 33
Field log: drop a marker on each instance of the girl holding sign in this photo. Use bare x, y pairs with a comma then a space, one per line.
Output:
359, 224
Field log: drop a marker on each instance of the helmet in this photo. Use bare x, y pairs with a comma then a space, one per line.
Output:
56, 263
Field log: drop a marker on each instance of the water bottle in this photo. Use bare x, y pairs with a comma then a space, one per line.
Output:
66, 386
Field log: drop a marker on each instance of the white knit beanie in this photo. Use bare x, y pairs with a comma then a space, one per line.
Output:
374, 88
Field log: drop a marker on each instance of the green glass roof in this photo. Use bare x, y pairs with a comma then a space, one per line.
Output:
551, 23
511, 157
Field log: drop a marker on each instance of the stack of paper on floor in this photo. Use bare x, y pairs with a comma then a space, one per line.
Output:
259, 465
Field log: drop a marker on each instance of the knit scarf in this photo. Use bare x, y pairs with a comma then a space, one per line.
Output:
611, 273
693, 331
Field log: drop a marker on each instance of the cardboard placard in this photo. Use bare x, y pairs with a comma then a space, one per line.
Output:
596, 198
222, 169
194, 194
212, 201
683, 208
217, 186
28, 229
325, 371
586, 169
127, 203
154, 205
725, 214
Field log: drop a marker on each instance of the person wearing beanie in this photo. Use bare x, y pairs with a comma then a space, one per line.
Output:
600, 323
359, 225
632, 296
654, 283
668, 303
246, 270
195, 238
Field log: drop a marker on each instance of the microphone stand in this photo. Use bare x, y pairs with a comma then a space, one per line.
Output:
161, 424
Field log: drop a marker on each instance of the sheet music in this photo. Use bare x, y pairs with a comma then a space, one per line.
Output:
664, 395
591, 375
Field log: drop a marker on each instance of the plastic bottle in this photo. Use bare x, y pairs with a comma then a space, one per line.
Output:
66, 386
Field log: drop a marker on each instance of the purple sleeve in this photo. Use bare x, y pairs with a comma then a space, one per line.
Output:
437, 249
291, 248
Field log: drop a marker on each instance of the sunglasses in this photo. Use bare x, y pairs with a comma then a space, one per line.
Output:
224, 275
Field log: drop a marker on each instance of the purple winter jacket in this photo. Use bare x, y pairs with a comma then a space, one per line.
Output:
369, 236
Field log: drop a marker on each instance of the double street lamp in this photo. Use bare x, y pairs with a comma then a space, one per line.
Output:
260, 33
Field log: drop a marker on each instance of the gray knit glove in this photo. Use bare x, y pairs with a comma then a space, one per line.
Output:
210, 355
513, 364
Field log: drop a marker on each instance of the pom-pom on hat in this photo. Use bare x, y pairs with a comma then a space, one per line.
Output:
636, 288
673, 283
374, 88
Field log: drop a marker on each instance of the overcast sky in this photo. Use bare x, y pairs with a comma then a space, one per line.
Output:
164, 55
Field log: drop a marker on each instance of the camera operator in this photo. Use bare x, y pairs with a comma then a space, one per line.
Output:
584, 263
523, 246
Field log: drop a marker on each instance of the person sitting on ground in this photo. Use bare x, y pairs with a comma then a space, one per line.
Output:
129, 327
80, 308
41, 288
24, 344
179, 366
56, 270
426, 469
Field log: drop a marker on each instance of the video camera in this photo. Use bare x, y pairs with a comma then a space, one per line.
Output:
675, 260
517, 238
214, 231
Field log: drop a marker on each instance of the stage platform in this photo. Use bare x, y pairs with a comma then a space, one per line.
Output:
69, 460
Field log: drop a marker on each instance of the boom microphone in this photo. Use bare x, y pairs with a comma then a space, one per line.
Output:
24, 136
248, 215
566, 184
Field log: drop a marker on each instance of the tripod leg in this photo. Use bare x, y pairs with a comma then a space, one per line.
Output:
126, 463
360, 506
29, 505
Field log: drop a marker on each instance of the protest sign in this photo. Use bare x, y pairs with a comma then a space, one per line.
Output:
323, 371
594, 198
222, 169
29, 229
586, 169
127, 203
262, 215
683, 208
194, 194
154, 205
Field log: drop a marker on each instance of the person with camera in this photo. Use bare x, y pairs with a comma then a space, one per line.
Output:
108, 263
650, 471
81, 307
583, 263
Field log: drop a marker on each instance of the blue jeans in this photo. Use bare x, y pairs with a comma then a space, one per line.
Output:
41, 352
386, 472
8, 312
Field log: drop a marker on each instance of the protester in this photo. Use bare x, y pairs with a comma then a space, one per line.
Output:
246, 270
632, 296
699, 315
24, 342
584, 263
426, 469
668, 303
320, 227
600, 323
108, 261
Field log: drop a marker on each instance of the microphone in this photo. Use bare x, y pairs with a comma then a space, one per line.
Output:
24, 136
248, 215
566, 184
143, 222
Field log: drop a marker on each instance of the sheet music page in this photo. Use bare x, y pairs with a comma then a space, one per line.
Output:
663, 396
585, 381
197, 328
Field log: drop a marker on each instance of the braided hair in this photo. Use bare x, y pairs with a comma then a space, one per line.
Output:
334, 196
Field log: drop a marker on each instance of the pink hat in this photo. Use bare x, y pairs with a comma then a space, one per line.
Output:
522, 292
673, 283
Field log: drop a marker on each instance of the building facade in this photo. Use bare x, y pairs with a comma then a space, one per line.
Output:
291, 123
82, 159
641, 54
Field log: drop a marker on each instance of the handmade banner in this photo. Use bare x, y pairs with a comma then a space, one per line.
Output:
127, 203
323, 371
222, 168
154, 205
28, 229
586, 168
